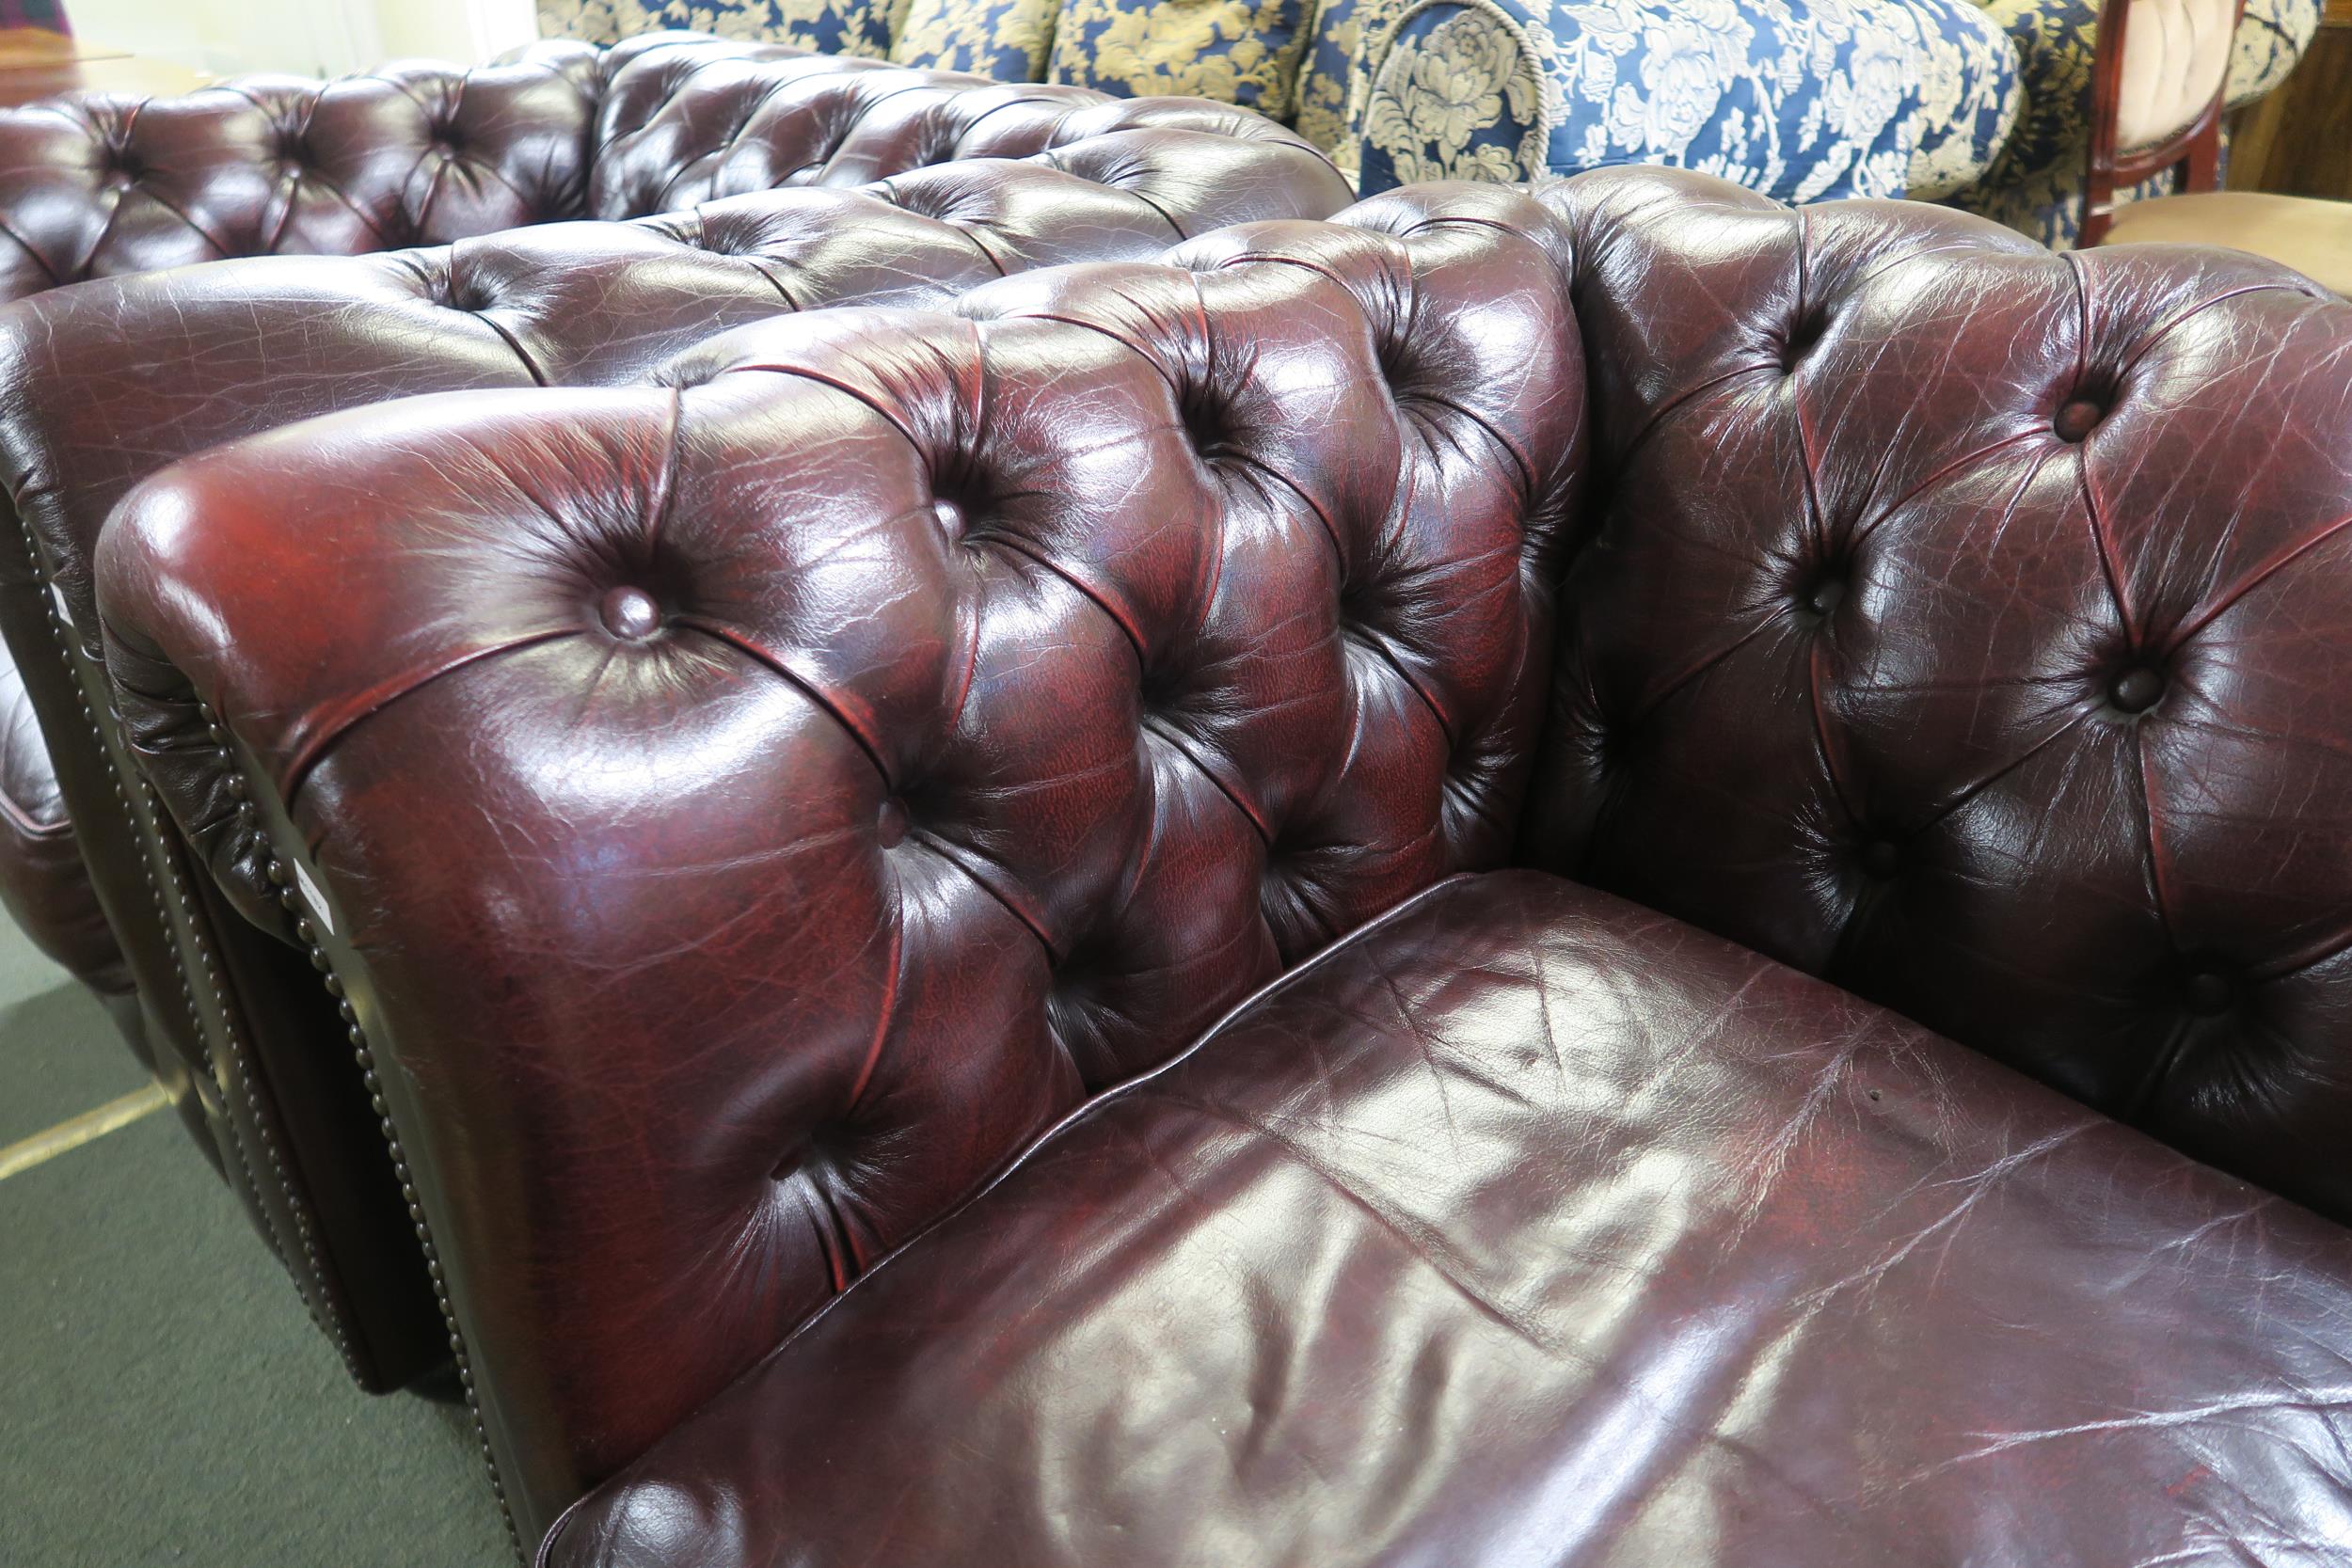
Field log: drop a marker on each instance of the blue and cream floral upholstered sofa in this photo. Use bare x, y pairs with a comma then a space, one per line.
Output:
1981, 101
1987, 105
1005, 38
1246, 52
1801, 99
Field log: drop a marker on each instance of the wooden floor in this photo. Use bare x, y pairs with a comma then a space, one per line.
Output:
35, 63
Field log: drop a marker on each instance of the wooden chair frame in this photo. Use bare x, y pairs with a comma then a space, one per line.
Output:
2197, 148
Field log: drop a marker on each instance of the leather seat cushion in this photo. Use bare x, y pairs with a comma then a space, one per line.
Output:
1526, 1226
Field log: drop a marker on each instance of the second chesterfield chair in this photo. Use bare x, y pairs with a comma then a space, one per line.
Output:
105, 379
1387, 894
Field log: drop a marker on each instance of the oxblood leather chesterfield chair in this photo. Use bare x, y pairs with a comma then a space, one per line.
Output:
105, 381
1229, 911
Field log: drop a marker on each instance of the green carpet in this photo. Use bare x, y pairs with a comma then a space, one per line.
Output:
163, 1397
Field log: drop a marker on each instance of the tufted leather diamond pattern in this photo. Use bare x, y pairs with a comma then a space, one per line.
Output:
691, 121
98, 186
1992, 674
997, 696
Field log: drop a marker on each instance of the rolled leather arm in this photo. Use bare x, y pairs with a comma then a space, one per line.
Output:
742, 810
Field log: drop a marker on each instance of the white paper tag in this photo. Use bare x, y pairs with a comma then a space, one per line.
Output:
58, 594
310, 897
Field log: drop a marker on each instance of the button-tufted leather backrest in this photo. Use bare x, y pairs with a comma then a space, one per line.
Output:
694, 121
99, 185
766, 799
1973, 625
105, 381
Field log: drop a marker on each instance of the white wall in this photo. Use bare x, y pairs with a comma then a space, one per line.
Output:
465, 30
229, 38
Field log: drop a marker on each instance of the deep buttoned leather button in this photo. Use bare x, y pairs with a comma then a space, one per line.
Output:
1880, 858
2077, 420
2208, 993
630, 612
1803, 333
2137, 690
891, 827
1827, 595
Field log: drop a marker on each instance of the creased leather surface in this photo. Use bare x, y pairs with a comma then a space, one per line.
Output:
1008, 692
106, 381
104, 384
1531, 1227
1965, 624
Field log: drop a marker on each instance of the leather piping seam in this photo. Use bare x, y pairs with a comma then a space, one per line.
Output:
306, 761
38, 259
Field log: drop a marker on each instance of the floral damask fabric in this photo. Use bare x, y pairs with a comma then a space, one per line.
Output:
831, 26
1229, 50
1335, 78
1461, 96
1009, 39
1799, 99
1971, 91
2036, 183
